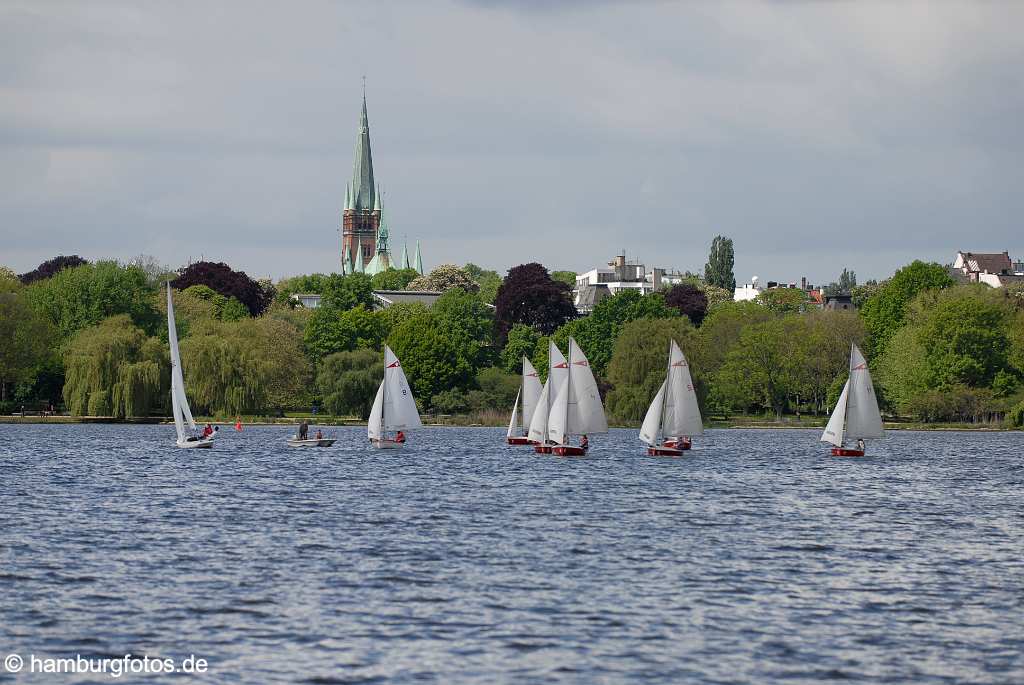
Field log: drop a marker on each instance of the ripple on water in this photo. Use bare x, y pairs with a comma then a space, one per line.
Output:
755, 559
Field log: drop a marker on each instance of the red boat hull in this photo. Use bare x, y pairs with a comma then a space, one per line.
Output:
680, 445
568, 451
664, 452
518, 441
542, 449
842, 452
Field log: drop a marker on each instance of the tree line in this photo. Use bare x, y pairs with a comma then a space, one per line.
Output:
92, 337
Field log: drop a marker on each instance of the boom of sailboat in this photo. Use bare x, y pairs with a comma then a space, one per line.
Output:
566, 408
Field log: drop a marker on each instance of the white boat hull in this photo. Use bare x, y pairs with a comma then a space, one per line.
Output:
195, 444
313, 442
385, 444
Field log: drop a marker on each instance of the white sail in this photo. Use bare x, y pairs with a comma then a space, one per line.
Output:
584, 413
515, 417
539, 423
558, 368
682, 412
558, 426
399, 409
374, 424
530, 391
834, 430
179, 403
652, 421
863, 420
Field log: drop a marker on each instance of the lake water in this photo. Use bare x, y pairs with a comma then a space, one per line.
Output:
756, 559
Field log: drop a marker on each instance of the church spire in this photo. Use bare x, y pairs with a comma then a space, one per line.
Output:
358, 268
405, 255
363, 192
418, 260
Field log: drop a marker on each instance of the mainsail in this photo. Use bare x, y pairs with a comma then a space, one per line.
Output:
577, 409
179, 403
652, 420
557, 370
515, 415
394, 408
856, 413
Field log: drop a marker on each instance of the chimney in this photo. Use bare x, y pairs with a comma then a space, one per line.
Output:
656, 278
803, 283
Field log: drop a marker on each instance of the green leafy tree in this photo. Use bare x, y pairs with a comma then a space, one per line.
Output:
224, 308
489, 281
463, 311
885, 311
639, 363
341, 293
721, 330
114, 369
719, 269
329, 331
965, 340
76, 298
435, 357
596, 334
348, 381
299, 285
784, 300
762, 364
567, 277
394, 279
522, 341
846, 283
25, 337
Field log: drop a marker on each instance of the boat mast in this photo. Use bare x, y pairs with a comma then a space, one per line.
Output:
668, 389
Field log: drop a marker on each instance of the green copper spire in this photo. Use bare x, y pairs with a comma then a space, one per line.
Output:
348, 196
418, 260
363, 193
346, 259
377, 204
405, 255
358, 268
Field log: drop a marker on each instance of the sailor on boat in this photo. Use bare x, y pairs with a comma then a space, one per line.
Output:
584, 442
303, 430
400, 437
208, 431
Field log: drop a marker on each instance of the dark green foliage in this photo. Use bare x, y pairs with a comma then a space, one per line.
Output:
530, 296
489, 282
223, 279
567, 277
689, 300
348, 381
50, 267
299, 285
719, 269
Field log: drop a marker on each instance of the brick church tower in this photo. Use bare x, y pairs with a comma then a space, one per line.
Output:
362, 215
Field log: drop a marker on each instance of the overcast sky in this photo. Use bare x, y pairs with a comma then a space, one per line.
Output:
816, 135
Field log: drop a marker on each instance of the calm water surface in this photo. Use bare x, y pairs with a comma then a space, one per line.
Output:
458, 559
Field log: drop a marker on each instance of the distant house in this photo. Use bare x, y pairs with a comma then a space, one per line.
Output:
839, 302
620, 275
992, 268
750, 291
307, 300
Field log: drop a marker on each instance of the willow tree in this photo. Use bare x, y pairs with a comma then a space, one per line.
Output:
114, 369
246, 367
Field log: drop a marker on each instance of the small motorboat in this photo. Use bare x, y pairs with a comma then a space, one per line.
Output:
295, 441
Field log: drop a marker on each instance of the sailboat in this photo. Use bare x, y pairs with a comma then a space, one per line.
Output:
558, 369
674, 412
577, 408
529, 393
856, 414
179, 403
394, 408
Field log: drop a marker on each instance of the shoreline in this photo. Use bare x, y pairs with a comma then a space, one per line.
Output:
462, 423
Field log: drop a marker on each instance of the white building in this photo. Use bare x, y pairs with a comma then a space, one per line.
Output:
748, 291
620, 275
